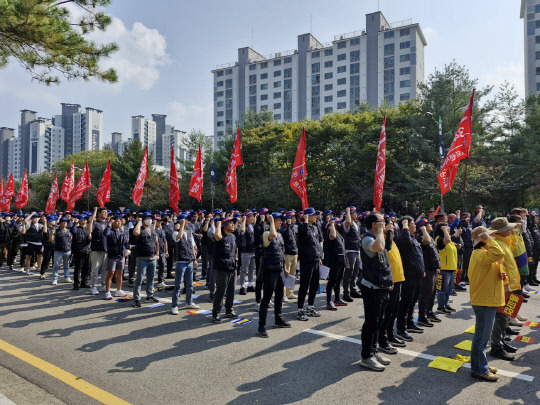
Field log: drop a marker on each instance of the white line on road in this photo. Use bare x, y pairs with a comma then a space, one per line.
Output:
411, 353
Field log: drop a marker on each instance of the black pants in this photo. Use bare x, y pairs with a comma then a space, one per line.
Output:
410, 290
47, 255
224, 284
205, 259
15, 246
272, 283
259, 280
375, 302
309, 280
82, 265
132, 264
161, 262
23, 256
4, 247
334, 280
170, 260
467, 252
386, 326
426, 298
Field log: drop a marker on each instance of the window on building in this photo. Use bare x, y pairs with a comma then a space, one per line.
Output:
405, 32
252, 79
315, 79
277, 73
328, 87
405, 71
277, 106
389, 99
389, 75
288, 59
277, 84
405, 83
220, 83
406, 44
264, 97
219, 94
389, 49
219, 114
404, 96
277, 94
342, 69
355, 68
342, 45
252, 90
537, 86
328, 64
354, 41
537, 8
342, 93
264, 76
287, 84
252, 66
342, 56
228, 93
277, 62
228, 84
389, 34
341, 81
328, 75
537, 71
220, 104
355, 80
538, 39
328, 52
264, 86
315, 67
389, 62
315, 90
328, 110
405, 58
328, 99
220, 73
277, 117
537, 55
342, 105
315, 54
389, 88
264, 107
228, 72
287, 72
355, 56
264, 65
220, 123
287, 96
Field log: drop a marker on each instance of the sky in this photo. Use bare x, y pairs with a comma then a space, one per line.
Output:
169, 47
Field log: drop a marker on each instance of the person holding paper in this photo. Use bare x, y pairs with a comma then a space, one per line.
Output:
272, 268
336, 261
487, 284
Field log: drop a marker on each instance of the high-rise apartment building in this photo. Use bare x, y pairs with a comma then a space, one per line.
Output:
530, 13
145, 131
383, 63
161, 124
5, 135
27, 116
174, 137
46, 145
66, 121
15, 156
87, 130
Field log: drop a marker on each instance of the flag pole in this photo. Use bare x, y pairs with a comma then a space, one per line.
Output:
464, 184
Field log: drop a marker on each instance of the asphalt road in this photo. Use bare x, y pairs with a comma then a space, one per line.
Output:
147, 355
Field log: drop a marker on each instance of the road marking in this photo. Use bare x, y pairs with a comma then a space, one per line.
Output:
411, 353
67, 378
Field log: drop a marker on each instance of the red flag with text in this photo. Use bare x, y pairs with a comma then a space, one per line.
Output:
22, 197
196, 183
104, 190
83, 184
137, 194
174, 190
68, 184
236, 160
458, 151
9, 191
53, 196
299, 173
380, 168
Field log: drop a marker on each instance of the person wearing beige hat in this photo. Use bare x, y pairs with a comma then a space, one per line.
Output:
487, 284
503, 230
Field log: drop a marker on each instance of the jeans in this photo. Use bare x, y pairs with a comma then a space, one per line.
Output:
485, 318
309, 280
184, 270
224, 284
248, 266
375, 301
272, 283
352, 269
498, 333
147, 267
64, 256
161, 263
447, 287
98, 263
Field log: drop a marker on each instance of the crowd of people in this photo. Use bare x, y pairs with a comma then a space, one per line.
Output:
395, 264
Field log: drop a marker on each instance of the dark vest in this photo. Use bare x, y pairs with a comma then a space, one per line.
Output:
352, 238
33, 234
309, 248
162, 240
289, 239
145, 245
335, 252
116, 243
62, 241
247, 241
225, 253
5, 232
80, 242
97, 243
184, 248
274, 254
376, 269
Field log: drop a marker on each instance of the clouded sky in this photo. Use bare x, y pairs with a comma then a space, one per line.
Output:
169, 47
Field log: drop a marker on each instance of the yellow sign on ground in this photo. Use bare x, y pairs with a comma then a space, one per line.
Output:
446, 364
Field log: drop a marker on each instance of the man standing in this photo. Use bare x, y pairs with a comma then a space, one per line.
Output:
351, 233
48, 244
247, 252
62, 250
117, 247
98, 255
375, 284
288, 231
32, 232
225, 268
147, 251
432, 267
309, 254
80, 246
5, 238
273, 262
163, 252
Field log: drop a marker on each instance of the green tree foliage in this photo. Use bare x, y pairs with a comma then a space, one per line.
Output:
47, 40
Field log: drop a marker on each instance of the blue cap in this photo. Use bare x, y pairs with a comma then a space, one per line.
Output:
392, 214
147, 215
64, 219
237, 215
352, 208
420, 223
263, 211
309, 211
51, 218
290, 214
277, 215
181, 216
217, 211
327, 212
249, 213
227, 220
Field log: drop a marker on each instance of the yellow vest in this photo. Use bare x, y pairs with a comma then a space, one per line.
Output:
486, 284
396, 264
509, 264
448, 256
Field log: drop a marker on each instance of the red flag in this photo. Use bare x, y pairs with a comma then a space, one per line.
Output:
22, 197
196, 183
380, 168
236, 160
299, 173
104, 190
69, 182
437, 210
136, 196
459, 150
53, 196
174, 190
1, 190
9, 191
83, 184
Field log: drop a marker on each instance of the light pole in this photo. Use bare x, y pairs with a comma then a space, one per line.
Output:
440, 148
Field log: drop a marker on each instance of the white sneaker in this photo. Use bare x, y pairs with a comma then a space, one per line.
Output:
95, 291
192, 306
174, 310
257, 307
108, 295
42, 277
102, 288
162, 285
119, 293
381, 359
68, 280
27, 272
521, 318
285, 299
372, 364
23, 270
54, 282
527, 287
450, 301
514, 322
